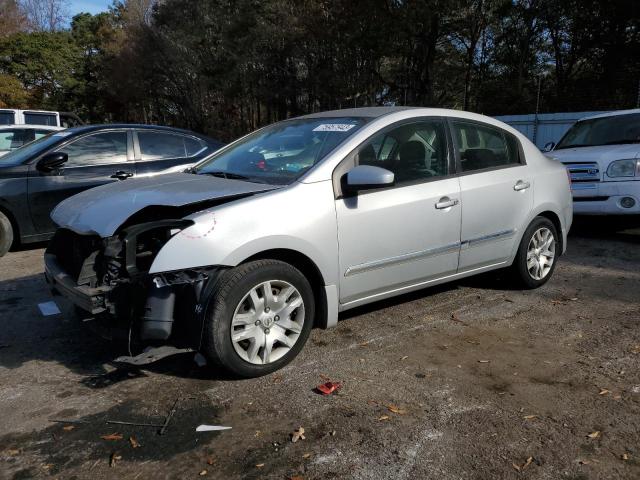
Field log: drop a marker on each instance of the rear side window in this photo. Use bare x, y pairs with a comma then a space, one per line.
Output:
484, 146
32, 118
97, 149
7, 118
160, 145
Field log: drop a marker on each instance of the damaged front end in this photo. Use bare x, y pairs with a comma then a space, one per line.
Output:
108, 279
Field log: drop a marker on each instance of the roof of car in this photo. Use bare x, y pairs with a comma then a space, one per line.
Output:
366, 112
615, 113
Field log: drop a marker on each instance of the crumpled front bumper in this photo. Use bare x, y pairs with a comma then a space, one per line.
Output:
89, 299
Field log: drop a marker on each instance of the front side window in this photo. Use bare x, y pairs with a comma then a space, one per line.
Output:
484, 146
616, 130
40, 119
96, 149
11, 139
282, 152
413, 152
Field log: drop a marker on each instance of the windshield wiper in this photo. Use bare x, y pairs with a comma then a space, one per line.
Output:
228, 175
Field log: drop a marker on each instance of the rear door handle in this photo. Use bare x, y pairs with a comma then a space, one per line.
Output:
520, 185
446, 202
122, 175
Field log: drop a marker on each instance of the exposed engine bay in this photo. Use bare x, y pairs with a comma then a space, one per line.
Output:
108, 278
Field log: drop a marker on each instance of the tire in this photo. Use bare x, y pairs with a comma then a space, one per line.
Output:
239, 298
6, 234
532, 269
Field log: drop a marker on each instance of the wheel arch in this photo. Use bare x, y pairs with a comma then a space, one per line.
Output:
555, 219
309, 269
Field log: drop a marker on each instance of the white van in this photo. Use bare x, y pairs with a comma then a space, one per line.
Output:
14, 116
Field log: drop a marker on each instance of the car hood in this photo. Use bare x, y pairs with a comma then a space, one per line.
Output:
602, 155
100, 211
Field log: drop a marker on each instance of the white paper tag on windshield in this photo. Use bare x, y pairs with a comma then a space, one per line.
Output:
334, 127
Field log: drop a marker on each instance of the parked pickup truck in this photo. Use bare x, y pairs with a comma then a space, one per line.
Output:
602, 155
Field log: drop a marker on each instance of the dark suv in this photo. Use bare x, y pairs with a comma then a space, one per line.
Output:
36, 177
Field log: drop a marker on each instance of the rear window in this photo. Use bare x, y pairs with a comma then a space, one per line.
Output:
32, 118
7, 118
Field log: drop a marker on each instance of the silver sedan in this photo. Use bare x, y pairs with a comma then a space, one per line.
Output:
242, 255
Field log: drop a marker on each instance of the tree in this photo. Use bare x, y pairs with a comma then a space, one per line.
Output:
45, 15
11, 18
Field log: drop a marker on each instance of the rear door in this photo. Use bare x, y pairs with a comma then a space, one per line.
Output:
157, 150
496, 190
94, 159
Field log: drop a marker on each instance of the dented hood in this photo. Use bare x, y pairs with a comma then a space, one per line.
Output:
103, 209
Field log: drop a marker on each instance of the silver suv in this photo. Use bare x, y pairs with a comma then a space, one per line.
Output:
243, 255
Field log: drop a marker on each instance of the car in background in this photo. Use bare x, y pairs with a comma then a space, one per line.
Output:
13, 137
243, 255
602, 155
15, 116
38, 176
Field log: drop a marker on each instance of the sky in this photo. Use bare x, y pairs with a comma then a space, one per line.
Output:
91, 6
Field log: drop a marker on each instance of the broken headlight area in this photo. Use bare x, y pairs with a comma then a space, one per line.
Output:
109, 279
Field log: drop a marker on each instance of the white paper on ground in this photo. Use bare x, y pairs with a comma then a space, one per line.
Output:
49, 308
211, 428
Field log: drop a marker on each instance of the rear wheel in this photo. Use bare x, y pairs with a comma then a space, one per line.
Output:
258, 318
6, 234
536, 258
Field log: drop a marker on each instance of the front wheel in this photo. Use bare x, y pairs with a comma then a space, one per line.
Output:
258, 318
537, 254
6, 234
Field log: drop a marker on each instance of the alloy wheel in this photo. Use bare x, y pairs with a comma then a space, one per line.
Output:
267, 322
541, 253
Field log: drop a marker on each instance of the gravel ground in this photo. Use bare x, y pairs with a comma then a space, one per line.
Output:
471, 380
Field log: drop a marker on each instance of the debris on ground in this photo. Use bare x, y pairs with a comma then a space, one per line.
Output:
211, 428
168, 419
199, 359
519, 468
68, 428
383, 418
297, 435
328, 388
112, 437
595, 434
134, 442
202, 473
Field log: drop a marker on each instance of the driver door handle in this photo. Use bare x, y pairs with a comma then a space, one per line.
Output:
520, 185
122, 175
446, 202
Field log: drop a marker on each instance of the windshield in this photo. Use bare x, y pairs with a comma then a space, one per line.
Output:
23, 154
282, 152
603, 131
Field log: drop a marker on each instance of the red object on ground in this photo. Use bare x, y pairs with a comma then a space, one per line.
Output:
328, 388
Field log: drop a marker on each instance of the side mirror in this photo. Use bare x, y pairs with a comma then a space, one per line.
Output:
366, 177
549, 146
51, 161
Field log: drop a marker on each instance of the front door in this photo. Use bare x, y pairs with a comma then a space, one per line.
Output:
496, 191
94, 159
396, 237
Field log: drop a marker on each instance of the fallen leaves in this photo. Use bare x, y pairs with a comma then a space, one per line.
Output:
395, 409
383, 418
12, 451
134, 442
624, 456
112, 437
68, 428
114, 458
529, 417
603, 391
520, 468
306, 455
635, 349
203, 473
260, 465
595, 434
298, 435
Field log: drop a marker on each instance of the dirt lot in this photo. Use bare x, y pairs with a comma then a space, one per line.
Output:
483, 382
